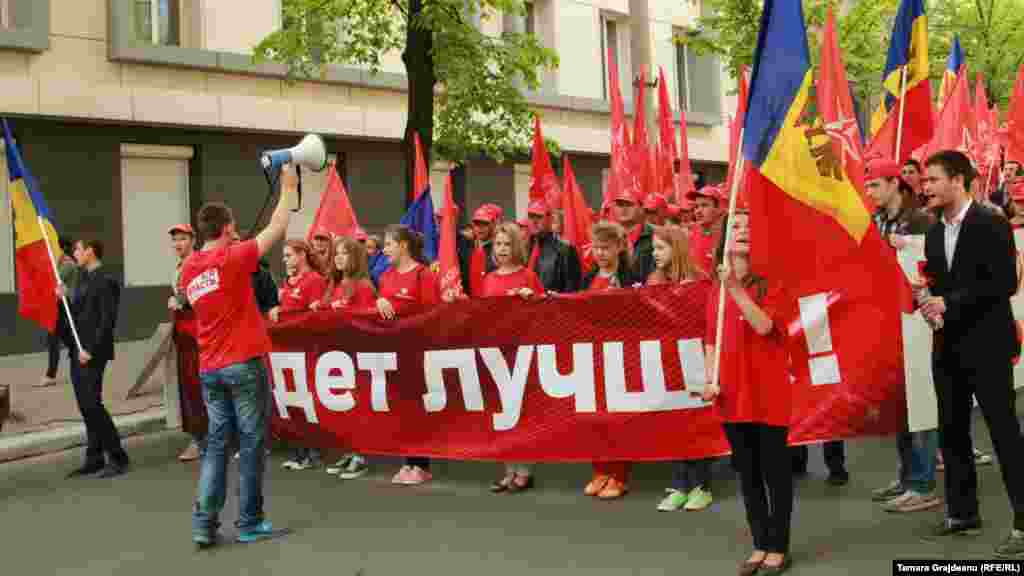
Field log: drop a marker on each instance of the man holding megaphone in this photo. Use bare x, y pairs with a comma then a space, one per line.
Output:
233, 340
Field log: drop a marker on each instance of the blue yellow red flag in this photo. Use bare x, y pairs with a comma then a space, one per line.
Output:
954, 62
908, 49
33, 230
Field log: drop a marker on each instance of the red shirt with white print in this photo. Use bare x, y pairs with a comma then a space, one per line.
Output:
352, 295
229, 327
497, 284
416, 288
754, 380
300, 291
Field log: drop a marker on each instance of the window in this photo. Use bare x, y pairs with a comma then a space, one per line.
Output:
157, 22
698, 79
609, 44
154, 197
313, 186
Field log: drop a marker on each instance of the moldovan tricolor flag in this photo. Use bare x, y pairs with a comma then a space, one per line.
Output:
954, 62
35, 272
846, 330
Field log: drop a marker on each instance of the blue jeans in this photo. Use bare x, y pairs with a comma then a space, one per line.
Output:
235, 399
917, 452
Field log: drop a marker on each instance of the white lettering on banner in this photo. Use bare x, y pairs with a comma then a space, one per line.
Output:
378, 364
301, 397
434, 364
824, 364
326, 384
578, 384
655, 396
511, 386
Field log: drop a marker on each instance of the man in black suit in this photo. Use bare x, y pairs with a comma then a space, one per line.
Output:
970, 264
94, 308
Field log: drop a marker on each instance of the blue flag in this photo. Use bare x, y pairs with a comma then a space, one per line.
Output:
420, 218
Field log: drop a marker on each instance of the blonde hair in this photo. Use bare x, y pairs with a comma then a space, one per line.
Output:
516, 242
681, 266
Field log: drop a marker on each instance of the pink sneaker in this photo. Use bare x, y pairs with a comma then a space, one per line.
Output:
419, 476
403, 475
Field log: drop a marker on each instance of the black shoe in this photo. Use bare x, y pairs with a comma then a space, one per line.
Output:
839, 478
953, 527
86, 470
114, 469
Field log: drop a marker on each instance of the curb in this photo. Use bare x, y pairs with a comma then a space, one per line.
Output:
60, 439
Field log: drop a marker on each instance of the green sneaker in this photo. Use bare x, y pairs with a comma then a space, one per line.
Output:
698, 499
673, 501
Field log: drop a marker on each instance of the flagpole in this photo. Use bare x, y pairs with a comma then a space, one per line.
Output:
720, 321
988, 179
56, 274
903, 101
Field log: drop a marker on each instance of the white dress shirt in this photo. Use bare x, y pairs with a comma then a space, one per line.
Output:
952, 232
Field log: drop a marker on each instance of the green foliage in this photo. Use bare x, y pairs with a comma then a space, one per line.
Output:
478, 104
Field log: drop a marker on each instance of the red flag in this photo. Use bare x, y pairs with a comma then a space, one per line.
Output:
684, 179
335, 212
836, 106
450, 277
577, 217
640, 153
543, 183
667, 153
421, 179
956, 124
1015, 120
620, 174
736, 127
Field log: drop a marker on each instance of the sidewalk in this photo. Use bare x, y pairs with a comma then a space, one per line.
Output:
47, 419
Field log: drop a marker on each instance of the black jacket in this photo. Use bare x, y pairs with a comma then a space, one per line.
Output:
264, 287
558, 266
464, 248
978, 324
94, 307
643, 255
624, 275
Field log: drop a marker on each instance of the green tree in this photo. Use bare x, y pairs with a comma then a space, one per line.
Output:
991, 35
465, 88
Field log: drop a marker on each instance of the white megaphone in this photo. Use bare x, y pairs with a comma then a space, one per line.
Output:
309, 153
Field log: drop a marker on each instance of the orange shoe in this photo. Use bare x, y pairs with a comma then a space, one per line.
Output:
612, 490
596, 484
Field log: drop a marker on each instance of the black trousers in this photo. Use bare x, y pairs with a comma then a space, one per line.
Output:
833, 451
767, 487
992, 384
53, 350
101, 433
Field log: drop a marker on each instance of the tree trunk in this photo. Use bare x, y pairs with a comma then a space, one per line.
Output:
419, 70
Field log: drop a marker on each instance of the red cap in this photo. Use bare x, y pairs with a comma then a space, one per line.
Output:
538, 207
1017, 191
322, 232
181, 229
524, 224
655, 202
484, 214
673, 211
360, 235
499, 214
882, 168
713, 192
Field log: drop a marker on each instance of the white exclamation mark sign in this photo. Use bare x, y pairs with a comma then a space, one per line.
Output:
824, 363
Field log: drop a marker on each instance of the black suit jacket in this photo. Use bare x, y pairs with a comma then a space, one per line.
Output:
95, 312
978, 325
558, 266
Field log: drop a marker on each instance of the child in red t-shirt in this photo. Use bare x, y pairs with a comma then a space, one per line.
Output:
511, 278
303, 286
691, 479
405, 287
754, 396
612, 271
348, 288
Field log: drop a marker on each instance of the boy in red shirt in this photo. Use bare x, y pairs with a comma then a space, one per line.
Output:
705, 232
232, 340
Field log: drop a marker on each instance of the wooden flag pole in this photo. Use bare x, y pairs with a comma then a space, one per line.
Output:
899, 125
56, 274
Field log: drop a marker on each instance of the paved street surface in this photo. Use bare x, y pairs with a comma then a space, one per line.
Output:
139, 524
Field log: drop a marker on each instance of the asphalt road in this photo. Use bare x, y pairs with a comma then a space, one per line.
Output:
139, 524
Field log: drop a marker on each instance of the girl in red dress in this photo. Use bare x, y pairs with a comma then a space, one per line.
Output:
612, 271
348, 288
303, 286
512, 278
407, 286
754, 397
691, 479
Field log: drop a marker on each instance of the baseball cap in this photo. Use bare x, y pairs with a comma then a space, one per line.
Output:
360, 235
538, 207
713, 192
181, 229
673, 211
484, 214
655, 202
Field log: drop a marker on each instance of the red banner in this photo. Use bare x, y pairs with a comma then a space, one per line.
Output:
569, 378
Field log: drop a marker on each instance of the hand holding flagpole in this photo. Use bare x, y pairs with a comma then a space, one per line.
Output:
56, 274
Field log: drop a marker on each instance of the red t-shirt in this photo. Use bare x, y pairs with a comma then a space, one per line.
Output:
361, 296
703, 246
230, 329
416, 288
301, 291
754, 380
600, 283
496, 284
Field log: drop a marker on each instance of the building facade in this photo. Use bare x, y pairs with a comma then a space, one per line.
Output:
132, 113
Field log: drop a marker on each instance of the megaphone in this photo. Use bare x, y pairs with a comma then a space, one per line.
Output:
310, 153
